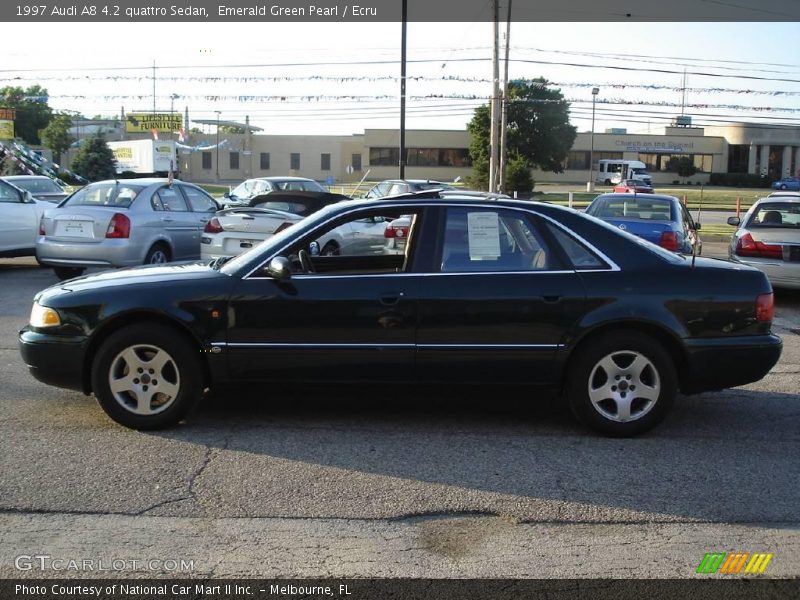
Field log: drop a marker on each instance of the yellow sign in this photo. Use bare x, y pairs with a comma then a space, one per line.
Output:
138, 122
8, 114
6, 130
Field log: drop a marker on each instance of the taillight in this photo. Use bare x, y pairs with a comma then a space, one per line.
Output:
395, 232
213, 226
765, 307
119, 227
41, 226
284, 225
747, 246
669, 240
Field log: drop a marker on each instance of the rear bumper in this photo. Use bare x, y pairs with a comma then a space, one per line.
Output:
781, 274
719, 363
105, 253
54, 360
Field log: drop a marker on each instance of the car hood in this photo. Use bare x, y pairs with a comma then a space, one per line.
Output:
170, 274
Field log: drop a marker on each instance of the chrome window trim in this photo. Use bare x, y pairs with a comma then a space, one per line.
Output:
325, 346
390, 205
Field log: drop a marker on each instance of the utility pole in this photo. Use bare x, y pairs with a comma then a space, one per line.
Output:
217, 159
590, 183
403, 91
494, 142
504, 117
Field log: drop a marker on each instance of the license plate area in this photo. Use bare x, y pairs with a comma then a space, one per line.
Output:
79, 229
791, 253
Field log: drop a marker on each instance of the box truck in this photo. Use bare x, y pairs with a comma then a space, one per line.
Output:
145, 157
611, 172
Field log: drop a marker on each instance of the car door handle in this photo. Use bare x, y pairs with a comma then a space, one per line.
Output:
551, 299
391, 299
166, 219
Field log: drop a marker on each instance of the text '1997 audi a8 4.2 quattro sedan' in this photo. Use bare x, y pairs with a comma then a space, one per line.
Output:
489, 291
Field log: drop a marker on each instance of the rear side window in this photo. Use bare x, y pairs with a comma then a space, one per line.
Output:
118, 195
172, 200
579, 255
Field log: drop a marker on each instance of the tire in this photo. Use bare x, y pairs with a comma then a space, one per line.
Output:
597, 365
330, 249
607, 182
783, 186
64, 273
167, 391
157, 255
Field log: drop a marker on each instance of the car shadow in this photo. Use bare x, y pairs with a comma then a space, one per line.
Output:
726, 456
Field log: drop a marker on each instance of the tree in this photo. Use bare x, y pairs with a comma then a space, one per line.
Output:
538, 129
95, 161
8, 166
33, 113
518, 175
56, 135
231, 129
683, 166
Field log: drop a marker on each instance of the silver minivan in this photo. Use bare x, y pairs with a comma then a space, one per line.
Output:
122, 223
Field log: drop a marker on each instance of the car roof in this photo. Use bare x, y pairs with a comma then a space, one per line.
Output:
278, 178
638, 195
21, 177
777, 199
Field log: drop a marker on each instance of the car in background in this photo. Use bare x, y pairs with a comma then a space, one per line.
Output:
236, 229
395, 187
633, 185
258, 186
40, 187
19, 221
539, 298
662, 220
768, 238
122, 223
787, 183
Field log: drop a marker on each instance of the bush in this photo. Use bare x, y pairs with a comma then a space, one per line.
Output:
518, 176
95, 161
739, 180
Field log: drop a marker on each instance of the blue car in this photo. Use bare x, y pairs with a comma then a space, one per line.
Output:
787, 183
662, 220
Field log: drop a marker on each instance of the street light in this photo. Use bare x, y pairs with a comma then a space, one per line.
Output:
590, 184
217, 160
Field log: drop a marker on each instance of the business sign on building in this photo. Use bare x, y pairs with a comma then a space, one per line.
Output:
6, 130
655, 147
8, 114
146, 122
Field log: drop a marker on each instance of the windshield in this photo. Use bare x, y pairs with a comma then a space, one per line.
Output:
39, 186
116, 194
782, 215
639, 171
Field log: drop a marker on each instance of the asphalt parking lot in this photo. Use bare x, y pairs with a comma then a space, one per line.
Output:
381, 482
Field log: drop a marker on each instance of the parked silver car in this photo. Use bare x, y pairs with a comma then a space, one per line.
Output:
40, 187
124, 223
768, 238
19, 221
243, 193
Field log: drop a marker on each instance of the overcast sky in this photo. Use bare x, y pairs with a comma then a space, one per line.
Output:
275, 73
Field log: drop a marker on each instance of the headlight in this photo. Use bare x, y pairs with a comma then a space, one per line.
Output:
42, 316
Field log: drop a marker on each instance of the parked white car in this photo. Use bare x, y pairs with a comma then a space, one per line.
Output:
19, 221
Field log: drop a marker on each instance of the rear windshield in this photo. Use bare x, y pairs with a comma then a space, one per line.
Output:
296, 208
39, 186
118, 195
632, 207
299, 186
784, 215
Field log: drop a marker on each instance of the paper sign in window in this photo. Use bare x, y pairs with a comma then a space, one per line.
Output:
483, 229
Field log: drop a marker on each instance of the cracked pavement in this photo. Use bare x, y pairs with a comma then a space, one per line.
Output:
311, 482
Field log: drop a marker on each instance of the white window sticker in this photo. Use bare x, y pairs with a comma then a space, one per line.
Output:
484, 235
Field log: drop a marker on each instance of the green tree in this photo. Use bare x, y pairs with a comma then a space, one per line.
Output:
8, 166
33, 112
538, 129
683, 166
95, 161
518, 175
231, 129
56, 135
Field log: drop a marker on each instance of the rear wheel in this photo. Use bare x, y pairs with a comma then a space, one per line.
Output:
621, 384
157, 255
68, 272
147, 377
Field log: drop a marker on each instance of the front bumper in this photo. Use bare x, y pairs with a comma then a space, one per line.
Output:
719, 363
54, 360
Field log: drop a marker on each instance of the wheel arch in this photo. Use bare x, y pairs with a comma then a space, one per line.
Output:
114, 324
668, 340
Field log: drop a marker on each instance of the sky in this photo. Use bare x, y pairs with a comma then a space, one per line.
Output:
330, 78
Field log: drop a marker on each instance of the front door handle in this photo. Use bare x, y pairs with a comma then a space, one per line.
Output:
390, 299
551, 299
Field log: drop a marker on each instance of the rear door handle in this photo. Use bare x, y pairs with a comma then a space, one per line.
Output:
166, 220
391, 299
551, 299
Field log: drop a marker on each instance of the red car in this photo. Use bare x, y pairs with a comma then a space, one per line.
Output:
633, 186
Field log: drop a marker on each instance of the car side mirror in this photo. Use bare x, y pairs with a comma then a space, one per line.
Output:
226, 195
279, 268
735, 221
697, 226
27, 197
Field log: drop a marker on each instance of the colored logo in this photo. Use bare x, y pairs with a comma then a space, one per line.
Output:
734, 563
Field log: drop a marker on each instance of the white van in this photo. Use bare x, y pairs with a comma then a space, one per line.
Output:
611, 172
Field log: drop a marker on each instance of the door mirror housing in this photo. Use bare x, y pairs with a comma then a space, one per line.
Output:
697, 226
226, 195
279, 268
735, 221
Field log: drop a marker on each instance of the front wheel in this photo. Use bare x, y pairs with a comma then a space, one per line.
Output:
64, 273
621, 384
783, 186
147, 377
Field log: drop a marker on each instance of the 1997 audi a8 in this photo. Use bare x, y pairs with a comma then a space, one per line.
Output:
485, 290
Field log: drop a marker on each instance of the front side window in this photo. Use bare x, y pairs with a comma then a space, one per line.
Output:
481, 239
172, 200
8, 193
199, 200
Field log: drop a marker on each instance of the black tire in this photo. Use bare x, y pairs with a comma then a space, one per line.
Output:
607, 182
330, 249
657, 379
158, 255
64, 273
783, 186
181, 382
